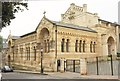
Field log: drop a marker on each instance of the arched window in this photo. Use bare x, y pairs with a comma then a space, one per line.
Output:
34, 53
83, 46
62, 45
91, 46
13, 52
48, 46
28, 53
21, 52
80, 46
45, 46
76, 46
67, 45
16, 52
94, 47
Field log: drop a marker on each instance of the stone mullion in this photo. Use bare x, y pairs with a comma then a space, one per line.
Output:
18, 55
24, 52
87, 47
69, 46
30, 52
73, 45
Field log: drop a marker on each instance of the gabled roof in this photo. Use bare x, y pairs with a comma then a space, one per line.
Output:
73, 26
69, 25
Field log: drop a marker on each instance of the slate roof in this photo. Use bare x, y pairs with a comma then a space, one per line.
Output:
28, 34
64, 25
74, 26
15, 37
115, 23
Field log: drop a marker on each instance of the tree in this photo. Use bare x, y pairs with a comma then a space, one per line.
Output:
9, 9
1, 43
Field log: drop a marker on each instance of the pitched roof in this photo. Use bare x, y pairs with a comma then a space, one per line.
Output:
71, 26
28, 34
116, 24
74, 26
15, 37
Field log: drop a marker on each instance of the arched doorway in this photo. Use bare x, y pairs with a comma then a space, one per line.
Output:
111, 46
44, 39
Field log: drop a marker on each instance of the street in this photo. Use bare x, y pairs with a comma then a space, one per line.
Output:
53, 75
56, 75
15, 75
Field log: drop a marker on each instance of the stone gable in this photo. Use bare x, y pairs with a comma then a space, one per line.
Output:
79, 16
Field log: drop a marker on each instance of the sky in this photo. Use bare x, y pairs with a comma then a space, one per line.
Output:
28, 20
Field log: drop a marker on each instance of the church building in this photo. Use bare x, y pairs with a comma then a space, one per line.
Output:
80, 34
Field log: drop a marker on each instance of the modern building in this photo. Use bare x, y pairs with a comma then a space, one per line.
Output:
80, 34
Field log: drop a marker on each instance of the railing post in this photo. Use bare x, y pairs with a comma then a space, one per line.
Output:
73, 65
97, 65
66, 65
111, 65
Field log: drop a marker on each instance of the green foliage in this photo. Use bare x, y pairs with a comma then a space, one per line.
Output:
1, 43
9, 9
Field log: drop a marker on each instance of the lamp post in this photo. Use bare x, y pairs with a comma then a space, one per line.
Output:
41, 50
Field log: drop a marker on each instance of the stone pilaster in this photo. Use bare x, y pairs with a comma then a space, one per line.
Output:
83, 66
62, 66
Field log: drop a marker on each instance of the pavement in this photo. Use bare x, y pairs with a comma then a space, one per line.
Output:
70, 75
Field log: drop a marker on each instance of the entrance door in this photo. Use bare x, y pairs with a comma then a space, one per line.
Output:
58, 65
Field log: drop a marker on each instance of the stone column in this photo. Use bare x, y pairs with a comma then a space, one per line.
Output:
83, 66
62, 65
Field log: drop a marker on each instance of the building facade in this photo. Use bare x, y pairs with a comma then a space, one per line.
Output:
79, 34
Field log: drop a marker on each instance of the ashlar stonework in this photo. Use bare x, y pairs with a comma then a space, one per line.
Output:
79, 34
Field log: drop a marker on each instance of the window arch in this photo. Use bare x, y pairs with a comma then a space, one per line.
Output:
34, 53
26, 53
76, 46
21, 52
91, 46
45, 46
80, 46
94, 47
62, 45
83, 46
48, 46
67, 45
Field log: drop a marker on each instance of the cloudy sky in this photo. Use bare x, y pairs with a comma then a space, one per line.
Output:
28, 20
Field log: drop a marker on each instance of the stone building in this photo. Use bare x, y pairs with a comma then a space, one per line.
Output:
79, 34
